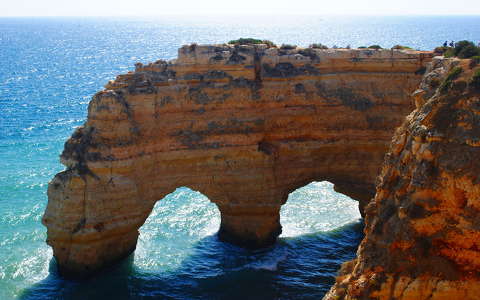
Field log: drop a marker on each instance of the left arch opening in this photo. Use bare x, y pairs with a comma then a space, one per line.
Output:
176, 222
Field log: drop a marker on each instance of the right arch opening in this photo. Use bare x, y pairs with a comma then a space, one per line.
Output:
321, 229
317, 207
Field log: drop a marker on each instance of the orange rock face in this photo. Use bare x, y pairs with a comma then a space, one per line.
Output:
244, 125
423, 227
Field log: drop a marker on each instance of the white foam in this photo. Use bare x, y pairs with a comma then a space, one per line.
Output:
270, 263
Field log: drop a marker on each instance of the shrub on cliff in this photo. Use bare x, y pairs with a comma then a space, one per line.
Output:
466, 49
376, 47
288, 47
400, 47
462, 49
318, 46
250, 41
475, 81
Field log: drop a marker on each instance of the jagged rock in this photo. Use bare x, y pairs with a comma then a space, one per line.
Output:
245, 125
423, 227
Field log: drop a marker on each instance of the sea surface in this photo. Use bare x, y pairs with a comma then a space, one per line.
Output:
50, 68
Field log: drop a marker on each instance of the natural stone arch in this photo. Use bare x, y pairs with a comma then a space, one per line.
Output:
245, 126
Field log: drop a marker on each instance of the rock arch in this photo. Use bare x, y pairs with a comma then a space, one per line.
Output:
244, 125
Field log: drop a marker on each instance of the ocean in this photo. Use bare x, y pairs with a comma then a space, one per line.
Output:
50, 68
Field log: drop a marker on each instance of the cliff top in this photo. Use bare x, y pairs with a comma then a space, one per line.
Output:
221, 53
220, 61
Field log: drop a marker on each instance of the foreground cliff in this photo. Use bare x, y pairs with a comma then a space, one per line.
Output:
245, 125
423, 227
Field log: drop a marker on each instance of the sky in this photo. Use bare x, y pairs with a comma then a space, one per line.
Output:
216, 7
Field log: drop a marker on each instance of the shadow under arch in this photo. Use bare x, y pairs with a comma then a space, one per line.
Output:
300, 266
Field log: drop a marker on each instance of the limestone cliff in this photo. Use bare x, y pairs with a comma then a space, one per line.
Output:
245, 125
422, 229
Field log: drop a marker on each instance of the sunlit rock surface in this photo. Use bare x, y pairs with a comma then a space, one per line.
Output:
423, 228
244, 125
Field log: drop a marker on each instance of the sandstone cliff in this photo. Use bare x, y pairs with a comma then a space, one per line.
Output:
245, 125
422, 229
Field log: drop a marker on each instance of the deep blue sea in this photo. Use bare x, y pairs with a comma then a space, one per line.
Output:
49, 69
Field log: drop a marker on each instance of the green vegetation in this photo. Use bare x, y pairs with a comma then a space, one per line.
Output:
466, 49
318, 46
462, 49
450, 52
451, 76
400, 47
454, 73
288, 47
376, 47
250, 41
362, 47
475, 81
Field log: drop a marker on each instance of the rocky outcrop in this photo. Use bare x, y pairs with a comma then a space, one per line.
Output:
245, 125
422, 229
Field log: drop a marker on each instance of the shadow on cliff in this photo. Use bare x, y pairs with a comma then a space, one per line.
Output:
301, 267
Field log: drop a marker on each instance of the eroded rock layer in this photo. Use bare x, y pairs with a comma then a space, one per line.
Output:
423, 227
244, 125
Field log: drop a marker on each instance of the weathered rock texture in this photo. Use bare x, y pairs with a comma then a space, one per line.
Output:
244, 125
423, 227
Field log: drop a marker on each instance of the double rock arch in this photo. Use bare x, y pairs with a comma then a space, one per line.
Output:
245, 132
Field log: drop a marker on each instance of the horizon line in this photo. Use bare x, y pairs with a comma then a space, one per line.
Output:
244, 15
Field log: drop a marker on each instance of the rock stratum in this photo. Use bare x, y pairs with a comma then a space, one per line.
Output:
423, 227
244, 125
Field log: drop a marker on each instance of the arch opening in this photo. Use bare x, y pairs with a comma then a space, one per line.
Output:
321, 228
317, 207
176, 222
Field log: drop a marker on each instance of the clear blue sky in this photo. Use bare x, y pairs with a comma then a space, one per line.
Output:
159, 7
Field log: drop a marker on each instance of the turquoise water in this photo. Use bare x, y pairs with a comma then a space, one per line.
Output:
49, 68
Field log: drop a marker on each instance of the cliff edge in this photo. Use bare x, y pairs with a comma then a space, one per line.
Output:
422, 229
